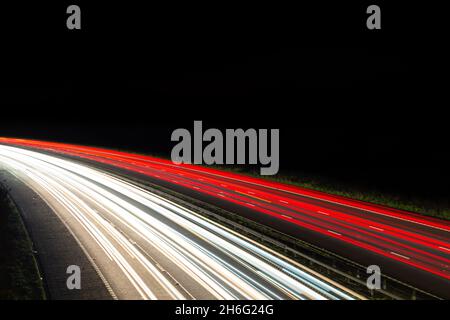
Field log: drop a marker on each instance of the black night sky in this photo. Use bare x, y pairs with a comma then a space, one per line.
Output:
352, 105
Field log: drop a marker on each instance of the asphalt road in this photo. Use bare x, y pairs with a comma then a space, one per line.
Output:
54, 246
147, 247
409, 247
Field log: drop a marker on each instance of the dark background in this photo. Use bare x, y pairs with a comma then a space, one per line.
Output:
363, 108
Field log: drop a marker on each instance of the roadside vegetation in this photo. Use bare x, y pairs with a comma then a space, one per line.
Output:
19, 275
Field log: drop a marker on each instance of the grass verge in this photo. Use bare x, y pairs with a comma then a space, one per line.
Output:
19, 273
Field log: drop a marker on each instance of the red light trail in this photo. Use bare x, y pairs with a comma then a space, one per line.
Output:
409, 238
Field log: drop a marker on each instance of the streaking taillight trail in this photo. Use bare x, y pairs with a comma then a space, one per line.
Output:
418, 241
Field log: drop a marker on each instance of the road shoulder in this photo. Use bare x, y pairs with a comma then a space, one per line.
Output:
55, 246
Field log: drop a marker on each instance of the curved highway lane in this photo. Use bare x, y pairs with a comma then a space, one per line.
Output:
410, 247
147, 247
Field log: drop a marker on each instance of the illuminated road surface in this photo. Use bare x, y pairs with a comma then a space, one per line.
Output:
147, 247
396, 237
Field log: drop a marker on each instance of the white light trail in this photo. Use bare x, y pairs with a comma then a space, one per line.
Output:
126, 222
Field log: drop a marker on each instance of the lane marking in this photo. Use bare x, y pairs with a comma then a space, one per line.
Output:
247, 195
379, 229
325, 213
284, 201
333, 232
401, 256
444, 248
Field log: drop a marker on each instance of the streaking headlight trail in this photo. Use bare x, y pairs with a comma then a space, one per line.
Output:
401, 238
148, 247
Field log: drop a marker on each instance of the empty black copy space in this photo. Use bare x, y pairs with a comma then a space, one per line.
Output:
351, 103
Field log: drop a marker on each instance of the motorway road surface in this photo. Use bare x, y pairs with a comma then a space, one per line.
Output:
147, 247
412, 248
